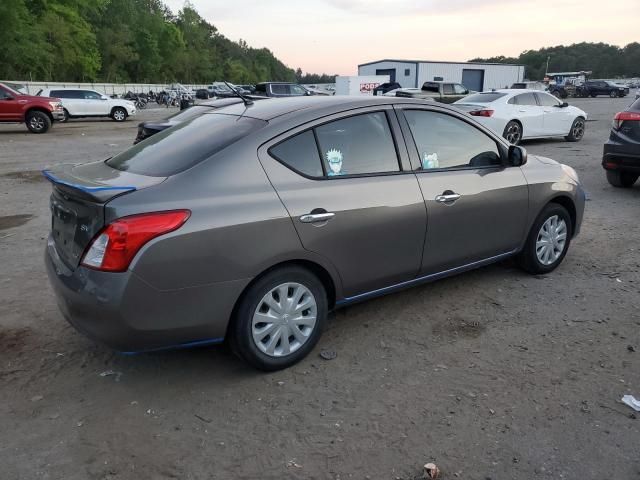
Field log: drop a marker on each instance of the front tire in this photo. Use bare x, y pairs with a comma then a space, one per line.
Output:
548, 240
38, 122
279, 319
621, 179
577, 130
613, 94
513, 132
66, 116
119, 114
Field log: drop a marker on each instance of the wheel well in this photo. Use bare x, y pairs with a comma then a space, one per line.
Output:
567, 203
38, 109
319, 271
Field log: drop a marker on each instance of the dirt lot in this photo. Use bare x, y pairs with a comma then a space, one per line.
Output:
492, 374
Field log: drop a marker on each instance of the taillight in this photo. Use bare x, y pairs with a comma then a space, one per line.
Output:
485, 112
625, 117
115, 246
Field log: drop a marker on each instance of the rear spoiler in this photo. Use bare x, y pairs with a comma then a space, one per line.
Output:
97, 181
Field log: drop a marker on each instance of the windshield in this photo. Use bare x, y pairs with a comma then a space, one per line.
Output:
486, 97
181, 147
11, 90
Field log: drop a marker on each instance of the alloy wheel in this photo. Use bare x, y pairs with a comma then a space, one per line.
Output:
284, 319
551, 240
578, 129
36, 123
118, 115
513, 134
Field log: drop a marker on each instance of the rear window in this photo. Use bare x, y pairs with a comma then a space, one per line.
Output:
181, 147
483, 97
189, 113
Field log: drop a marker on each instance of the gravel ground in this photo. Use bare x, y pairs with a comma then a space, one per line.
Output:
491, 374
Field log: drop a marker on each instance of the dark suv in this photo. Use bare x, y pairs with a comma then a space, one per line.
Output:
594, 88
621, 158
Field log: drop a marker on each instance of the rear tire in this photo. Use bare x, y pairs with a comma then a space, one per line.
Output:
551, 232
265, 300
513, 132
38, 122
577, 130
119, 114
621, 179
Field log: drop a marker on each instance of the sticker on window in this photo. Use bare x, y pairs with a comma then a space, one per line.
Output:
334, 159
430, 160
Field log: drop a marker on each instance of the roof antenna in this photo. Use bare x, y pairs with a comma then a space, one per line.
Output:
247, 101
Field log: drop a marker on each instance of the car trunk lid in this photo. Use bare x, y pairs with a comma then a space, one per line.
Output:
80, 193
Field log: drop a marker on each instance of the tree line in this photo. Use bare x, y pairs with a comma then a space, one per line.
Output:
139, 41
604, 60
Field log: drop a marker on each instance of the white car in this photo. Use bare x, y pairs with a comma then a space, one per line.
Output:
89, 103
525, 114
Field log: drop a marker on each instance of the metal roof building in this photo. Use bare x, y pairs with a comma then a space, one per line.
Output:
474, 76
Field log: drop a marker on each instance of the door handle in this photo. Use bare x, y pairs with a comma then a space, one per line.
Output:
317, 217
448, 198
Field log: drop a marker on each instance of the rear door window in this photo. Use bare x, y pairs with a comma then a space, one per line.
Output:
181, 147
357, 145
300, 153
527, 99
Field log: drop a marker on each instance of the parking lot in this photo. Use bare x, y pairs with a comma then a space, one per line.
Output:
493, 374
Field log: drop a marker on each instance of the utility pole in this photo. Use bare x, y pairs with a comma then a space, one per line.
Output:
547, 70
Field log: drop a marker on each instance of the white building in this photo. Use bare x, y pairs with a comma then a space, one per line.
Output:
474, 76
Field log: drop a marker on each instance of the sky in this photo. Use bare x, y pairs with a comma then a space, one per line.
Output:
334, 36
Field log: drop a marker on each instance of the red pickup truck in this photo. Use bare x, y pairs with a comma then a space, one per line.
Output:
37, 112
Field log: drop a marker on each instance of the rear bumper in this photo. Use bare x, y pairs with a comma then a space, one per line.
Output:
621, 157
124, 312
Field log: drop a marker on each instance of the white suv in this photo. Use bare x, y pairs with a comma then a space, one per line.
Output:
89, 103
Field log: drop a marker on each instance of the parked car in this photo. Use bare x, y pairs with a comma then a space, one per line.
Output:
37, 113
202, 94
248, 88
151, 127
594, 88
220, 90
444, 92
386, 88
252, 226
281, 89
79, 103
621, 158
525, 114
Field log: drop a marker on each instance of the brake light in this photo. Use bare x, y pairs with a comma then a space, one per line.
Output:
625, 117
114, 247
485, 112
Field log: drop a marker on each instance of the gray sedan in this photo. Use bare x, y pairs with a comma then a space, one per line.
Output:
250, 223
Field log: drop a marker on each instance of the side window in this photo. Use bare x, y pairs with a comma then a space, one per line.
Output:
279, 89
297, 90
444, 141
459, 89
4, 94
358, 145
527, 99
89, 95
299, 153
547, 100
58, 94
447, 89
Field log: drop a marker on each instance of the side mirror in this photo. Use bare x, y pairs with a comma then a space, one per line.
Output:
564, 105
517, 156
104, 97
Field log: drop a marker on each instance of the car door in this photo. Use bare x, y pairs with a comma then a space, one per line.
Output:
94, 103
72, 101
476, 206
557, 120
350, 199
10, 106
525, 108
